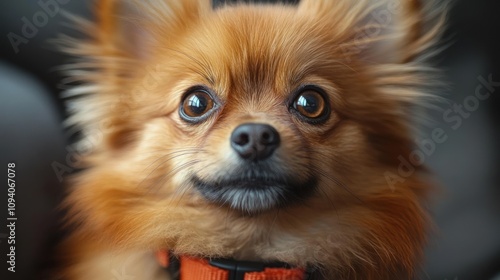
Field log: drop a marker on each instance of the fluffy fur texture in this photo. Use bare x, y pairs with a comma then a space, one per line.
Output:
135, 195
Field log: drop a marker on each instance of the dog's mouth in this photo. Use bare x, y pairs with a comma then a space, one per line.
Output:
253, 194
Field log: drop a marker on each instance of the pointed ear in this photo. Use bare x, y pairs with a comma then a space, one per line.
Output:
383, 31
132, 26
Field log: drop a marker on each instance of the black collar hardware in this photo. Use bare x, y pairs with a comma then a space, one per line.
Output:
237, 269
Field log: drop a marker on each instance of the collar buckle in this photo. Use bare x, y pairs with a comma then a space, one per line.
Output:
237, 269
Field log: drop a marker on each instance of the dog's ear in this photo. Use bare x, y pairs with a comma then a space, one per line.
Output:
120, 46
382, 31
131, 26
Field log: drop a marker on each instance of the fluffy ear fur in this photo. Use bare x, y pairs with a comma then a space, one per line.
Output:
122, 42
391, 40
386, 31
129, 24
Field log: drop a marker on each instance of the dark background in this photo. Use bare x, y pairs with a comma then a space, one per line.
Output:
466, 245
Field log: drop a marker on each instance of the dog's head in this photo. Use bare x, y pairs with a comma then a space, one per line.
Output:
271, 119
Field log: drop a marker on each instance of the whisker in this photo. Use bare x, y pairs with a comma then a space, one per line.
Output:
338, 183
165, 177
171, 156
331, 202
181, 191
188, 151
273, 223
170, 151
185, 189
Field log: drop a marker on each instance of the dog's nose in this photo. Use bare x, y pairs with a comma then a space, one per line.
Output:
255, 141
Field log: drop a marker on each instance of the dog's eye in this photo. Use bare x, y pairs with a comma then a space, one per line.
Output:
310, 104
196, 105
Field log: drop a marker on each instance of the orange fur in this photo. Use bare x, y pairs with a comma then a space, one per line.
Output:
135, 197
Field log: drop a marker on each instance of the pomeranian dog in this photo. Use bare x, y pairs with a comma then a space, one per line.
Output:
271, 136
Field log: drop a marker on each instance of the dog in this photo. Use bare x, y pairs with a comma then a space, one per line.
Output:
264, 133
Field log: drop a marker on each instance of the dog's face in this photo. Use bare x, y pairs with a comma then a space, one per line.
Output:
257, 116
270, 119
251, 109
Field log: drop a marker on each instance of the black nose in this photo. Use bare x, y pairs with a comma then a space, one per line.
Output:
255, 141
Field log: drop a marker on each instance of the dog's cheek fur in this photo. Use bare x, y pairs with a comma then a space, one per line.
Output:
371, 224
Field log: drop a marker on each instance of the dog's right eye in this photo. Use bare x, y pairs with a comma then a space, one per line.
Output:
196, 105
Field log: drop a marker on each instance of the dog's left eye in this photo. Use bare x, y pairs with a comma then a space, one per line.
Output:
196, 105
310, 104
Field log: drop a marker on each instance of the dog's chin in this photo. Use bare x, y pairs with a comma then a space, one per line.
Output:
251, 196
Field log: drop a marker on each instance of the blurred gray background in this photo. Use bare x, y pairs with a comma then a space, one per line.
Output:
466, 245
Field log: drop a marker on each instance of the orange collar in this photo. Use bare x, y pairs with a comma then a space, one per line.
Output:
192, 268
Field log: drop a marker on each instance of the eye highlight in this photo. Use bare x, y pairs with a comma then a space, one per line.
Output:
310, 104
196, 105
